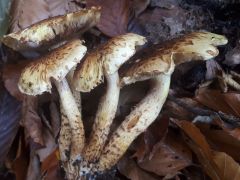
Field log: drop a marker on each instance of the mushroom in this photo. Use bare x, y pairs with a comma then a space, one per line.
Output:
104, 61
65, 134
158, 66
36, 79
46, 31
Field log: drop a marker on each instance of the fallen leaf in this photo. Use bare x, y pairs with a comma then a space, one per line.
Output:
146, 142
31, 121
50, 167
39, 10
221, 140
61, 7
50, 161
177, 111
21, 9
228, 103
114, 16
33, 167
131, 170
234, 132
49, 145
168, 156
21, 161
11, 75
197, 142
229, 167
10, 112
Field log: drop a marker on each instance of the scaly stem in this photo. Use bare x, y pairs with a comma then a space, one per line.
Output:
105, 114
135, 123
65, 136
74, 116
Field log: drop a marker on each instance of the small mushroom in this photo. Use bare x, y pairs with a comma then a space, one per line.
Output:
46, 31
158, 66
36, 79
105, 61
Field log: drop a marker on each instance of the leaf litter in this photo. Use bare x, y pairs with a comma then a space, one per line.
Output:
196, 135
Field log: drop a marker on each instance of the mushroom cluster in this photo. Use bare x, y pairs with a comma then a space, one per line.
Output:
62, 67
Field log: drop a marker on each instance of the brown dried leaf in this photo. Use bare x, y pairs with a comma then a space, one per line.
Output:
21, 162
114, 16
49, 143
39, 10
50, 167
229, 167
130, 169
177, 111
235, 132
33, 167
31, 120
145, 144
168, 156
197, 142
61, 7
27, 12
228, 103
221, 141
11, 75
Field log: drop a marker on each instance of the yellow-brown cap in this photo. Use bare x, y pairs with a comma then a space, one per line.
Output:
35, 78
46, 31
162, 58
106, 60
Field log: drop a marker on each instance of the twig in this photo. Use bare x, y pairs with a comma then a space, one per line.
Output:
235, 121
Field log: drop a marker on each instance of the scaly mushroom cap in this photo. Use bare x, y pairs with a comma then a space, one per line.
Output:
45, 31
161, 58
106, 60
35, 78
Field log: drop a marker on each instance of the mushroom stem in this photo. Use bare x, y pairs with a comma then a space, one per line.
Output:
135, 123
64, 140
74, 116
65, 136
105, 114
